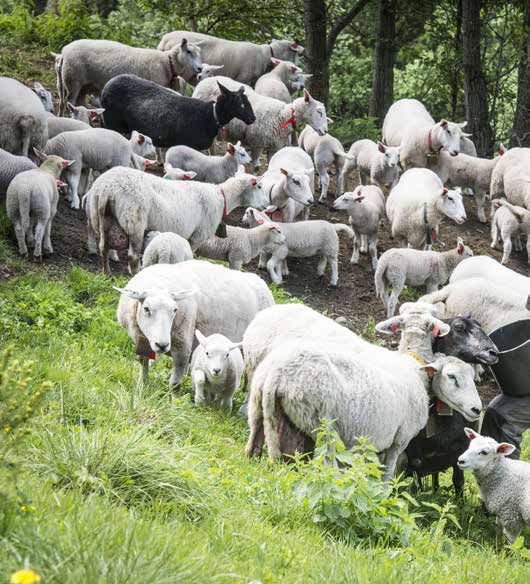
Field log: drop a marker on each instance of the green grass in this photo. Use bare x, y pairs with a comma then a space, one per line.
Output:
117, 482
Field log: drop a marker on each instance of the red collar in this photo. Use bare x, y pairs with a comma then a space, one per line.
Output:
224, 203
171, 70
429, 140
291, 120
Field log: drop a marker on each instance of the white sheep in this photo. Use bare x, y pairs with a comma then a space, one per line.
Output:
166, 248
44, 95
325, 150
216, 370
23, 120
417, 205
366, 207
58, 125
504, 484
210, 169
376, 163
511, 177
161, 307
171, 173
275, 120
490, 269
278, 82
85, 114
142, 145
31, 202
240, 246
414, 267
10, 166
509, 222
138, 202
408, 124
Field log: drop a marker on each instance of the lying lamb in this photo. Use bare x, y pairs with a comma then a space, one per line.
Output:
166, 248
240, 246
31, 201
210, 169
216, 370
417, 205
10, 166
366, 207
377, 163
325, 150
171, 173
504, 484
413, 267
509, 222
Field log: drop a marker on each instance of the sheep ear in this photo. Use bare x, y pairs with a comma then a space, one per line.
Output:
502, 149
275, 62
223, 89
40, 154
463, 125
133, 294
235, 346
460, 246
443, 123
307, 96
182, 294
200, 337
390, 326
381, 147
230, 149
285, 172
466, 135
191, 174
329, 120
505, 449
140, 139
471, 434
440, 328
184, 43
431, 369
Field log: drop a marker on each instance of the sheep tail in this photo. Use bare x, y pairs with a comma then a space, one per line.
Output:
270, 420
346, 155
518, 212
435, 297
341, 227
60, 84
26, 124
379, 278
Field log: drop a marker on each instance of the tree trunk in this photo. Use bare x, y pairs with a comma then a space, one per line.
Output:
315, 52
455, 81
475, 87
384, 58
521, 123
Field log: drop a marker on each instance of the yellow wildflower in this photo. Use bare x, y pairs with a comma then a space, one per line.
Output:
27, 508
25, 577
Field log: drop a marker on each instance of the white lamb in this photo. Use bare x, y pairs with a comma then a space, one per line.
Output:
166, 248
366, 207
417, 205
216, 370
377, 163
413, 267
511, 177
142, 145
171, 173
278, 82
508, 223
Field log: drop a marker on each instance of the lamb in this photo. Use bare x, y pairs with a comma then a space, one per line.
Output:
417, 205
44, 95
94, 149
303, 239
377, 163
509, 222
490, 304
275, 120
408, 124
366, 207
132, 103
85, 114
171, 173
504, 484
216, 370
325, 150
511, 177
211, 169
240, 246
88, 64
313, 380
58, 125
493, 271
31, 201
23, 121
242, 61
142, 145
162, 305
10, 166
139, 202
277, 83
432, 269
166, 248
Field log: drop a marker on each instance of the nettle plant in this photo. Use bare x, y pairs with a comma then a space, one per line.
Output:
344, 492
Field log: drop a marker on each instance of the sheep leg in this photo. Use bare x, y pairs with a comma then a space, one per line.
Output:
495, 237
225, 402
235, 264
334, 265
480, 197
39, 235
435, 481
511, 534
262, 264
372, 248
285, 268
356, 249
321, 267
20, 232
528, 248
73, 178
255, 154
391, 457
517, 243
393, 299
30, 237
91, 239
197, 381
134, 252
47, 237
272, 267
364, 243
458, 480
339, 174
507, 249
324, 183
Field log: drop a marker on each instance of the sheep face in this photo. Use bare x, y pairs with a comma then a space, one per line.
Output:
236, 103
142, 145
450, 136
254, 195
208, 71
298, 186
483, 451
188, 55
451, 205
44, 95
241, 156
391, 154
84, 114
217, 349
314, 114
287, 50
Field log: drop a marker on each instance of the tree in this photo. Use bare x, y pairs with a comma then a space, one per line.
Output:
475, 87
521, 124
319, 44
384, 60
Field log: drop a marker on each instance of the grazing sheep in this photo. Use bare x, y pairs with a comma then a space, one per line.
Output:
377, 163
511, 177
240, 246
132, 103
211, 169
171, 173
44, 95
325, 150
413, 267
490, 304
166, 248
88, 64
277, 83
242, 61
10, 166
161, 307
31, 201
216, 370
417, 205
58, 125
142, 145
504, 484
493, 271
366, 207
94, 149
85, 114
275, 120
509, 222
23, 120
139, 202
408, 124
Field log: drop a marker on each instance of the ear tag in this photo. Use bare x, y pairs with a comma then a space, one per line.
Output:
394, 328
435, 331
152, 356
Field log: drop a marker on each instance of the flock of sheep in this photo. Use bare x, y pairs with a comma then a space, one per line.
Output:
300, 367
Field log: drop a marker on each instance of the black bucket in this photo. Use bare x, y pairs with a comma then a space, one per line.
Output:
512, 372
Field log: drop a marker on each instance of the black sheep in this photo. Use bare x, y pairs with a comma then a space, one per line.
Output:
170, 119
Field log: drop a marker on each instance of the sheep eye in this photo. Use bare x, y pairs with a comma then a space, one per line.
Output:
189, 52
207, 354
296, 182
483, 452
449, 132
450, 199
146, 310
453, 378
227, 355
